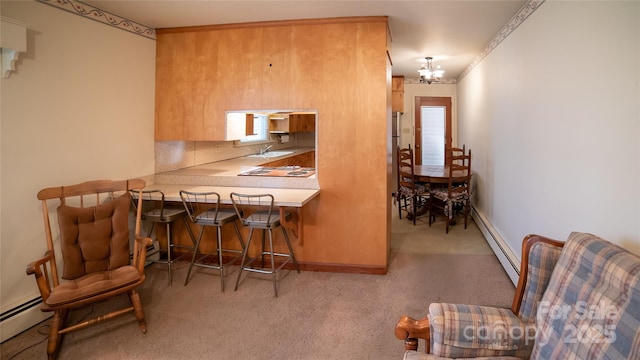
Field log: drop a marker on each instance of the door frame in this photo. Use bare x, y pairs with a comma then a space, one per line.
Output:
421, 101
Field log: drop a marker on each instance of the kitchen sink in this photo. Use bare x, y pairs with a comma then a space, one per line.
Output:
271, 154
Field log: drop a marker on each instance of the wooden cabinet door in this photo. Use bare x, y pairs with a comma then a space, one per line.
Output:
307, 59
309, 159
397, 93
276, 68
177, 72
239, 71
202, 74
306, 122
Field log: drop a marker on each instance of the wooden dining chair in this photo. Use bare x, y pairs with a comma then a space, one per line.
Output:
443, 200
411, 194
454, 152
97, 264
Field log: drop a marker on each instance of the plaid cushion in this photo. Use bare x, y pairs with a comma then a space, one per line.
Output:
542, 259
591, 309
459, 331
415, 355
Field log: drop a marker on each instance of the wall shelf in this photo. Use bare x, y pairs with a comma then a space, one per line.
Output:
14, 42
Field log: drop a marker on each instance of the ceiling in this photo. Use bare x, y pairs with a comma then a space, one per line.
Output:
453, 32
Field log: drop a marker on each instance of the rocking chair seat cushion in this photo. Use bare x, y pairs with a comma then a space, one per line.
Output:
92, 285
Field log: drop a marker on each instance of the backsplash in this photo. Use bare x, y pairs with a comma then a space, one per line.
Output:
173, 155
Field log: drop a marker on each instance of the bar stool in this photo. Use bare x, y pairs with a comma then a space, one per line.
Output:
156, 212
256, 212
204, 209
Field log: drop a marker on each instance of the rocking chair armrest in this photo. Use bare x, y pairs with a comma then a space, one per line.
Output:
39, 269
410, 330
140, 252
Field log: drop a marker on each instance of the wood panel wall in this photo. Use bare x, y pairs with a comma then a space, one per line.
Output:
338, 66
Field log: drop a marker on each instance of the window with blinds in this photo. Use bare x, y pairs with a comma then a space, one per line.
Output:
433, 131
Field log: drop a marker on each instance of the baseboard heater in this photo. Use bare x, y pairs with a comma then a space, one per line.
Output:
21, 317
505, 255
20, 308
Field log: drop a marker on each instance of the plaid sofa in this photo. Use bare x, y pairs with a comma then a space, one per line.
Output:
581, 301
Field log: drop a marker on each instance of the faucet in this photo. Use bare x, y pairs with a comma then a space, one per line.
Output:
265, 149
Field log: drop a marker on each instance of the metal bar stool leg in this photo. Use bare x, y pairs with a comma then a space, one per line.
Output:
238, 235
264, 234
191, 236
273, 263
219, 251
195, 253
169, 247
293, 257
244, 258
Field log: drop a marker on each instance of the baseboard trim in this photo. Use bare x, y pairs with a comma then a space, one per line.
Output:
503, 252
21, 317
343, 268
308, 266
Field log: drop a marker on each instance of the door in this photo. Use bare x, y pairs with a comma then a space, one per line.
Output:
432, 130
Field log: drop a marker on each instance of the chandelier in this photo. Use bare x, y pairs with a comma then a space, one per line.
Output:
427, 74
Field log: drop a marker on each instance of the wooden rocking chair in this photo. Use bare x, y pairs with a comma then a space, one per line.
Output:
93, 219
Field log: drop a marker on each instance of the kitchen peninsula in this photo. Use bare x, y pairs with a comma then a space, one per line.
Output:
225, 177
339, 67
231, 172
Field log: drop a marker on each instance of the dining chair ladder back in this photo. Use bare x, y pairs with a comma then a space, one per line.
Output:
445, 200
413, 195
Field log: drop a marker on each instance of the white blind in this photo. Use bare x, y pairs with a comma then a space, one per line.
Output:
432, 120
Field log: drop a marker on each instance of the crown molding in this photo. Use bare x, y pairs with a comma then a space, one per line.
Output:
103, 16
441, 82
516, 20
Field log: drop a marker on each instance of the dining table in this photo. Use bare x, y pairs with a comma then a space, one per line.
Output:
437, 174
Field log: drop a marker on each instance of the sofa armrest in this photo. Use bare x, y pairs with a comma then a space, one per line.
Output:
463, 331
539, 257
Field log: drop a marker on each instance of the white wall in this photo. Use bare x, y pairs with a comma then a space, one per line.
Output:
552, 116
79, 107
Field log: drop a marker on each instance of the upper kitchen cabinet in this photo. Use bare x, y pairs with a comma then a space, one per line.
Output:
304, 122
277, 76
282, 123
287, 122
203, 72
397, 93
239, 69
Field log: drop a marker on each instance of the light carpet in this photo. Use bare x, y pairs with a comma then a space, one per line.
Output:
315, 316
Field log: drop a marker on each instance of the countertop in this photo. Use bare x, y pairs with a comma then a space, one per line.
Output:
283, 197
222, 177
225, 173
